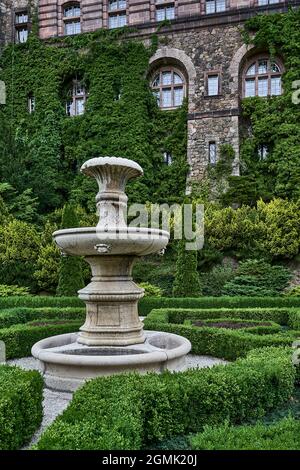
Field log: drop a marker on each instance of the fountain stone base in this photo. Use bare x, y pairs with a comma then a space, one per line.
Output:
67, 364
112, 340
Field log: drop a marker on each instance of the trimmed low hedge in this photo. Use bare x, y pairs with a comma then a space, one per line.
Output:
40, 301
18, 315
19, 339
149, 303
130, 411
257, 326
277, 315
284, 435
220, 342
21, 395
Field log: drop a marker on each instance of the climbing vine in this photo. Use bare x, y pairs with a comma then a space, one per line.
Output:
273, 122
44, 150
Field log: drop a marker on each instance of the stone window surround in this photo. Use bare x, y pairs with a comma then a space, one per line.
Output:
17, 26
206, 76
169, 56
208, 140
172, 86
255, 58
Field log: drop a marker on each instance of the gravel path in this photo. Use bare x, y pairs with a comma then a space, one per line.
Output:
55, 402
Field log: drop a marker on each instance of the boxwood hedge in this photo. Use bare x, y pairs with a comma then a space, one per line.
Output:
225, 343
40, 301
148, 303
20, 406
259, 327
19, 339
19, 315
130, 411
284, 435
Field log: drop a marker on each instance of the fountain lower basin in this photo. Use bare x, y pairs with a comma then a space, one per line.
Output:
67, 364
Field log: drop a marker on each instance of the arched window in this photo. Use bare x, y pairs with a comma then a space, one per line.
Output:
71, 18
77, 97
169, 87
262, 77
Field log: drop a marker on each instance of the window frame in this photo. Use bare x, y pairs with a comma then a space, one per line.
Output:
72, 19
31, 104
167, 158
116, 13
164, 7
75, 97
268, 3
213, 73
21, 26
210, 143
118, 6
172, 86
215, 2
260, 76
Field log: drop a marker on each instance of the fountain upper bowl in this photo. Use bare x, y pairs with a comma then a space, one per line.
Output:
93, 241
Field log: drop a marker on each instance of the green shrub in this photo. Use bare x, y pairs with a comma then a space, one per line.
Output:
214, 281
149, 303
278, 315
20, 406
156, 270
19, 339
8, 291
284, 435
131, 410
146, 304
219, 342
70, 268
257, 277
294, 292
187, 280
40, 301
151, 290
18, 315
19, 245
251, 326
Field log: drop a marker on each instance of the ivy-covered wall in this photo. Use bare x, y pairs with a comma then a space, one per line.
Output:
41, 153
44, 150
273, 122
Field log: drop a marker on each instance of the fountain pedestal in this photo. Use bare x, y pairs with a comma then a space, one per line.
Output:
111, 303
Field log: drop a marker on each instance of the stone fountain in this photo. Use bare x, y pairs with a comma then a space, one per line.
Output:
112, 339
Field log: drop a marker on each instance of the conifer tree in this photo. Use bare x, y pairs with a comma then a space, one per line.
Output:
187, 281
70, 270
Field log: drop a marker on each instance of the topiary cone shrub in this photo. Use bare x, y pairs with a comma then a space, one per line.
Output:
187, 281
